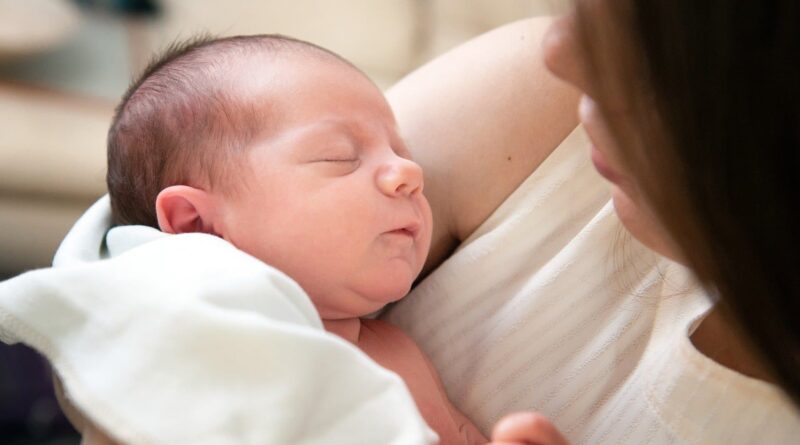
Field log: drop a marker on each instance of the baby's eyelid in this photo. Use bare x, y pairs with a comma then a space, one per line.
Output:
339, 156
339, 160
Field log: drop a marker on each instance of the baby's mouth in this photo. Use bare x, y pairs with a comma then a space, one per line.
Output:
411, 230
403, 231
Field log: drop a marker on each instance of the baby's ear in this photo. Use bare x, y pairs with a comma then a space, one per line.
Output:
184, 209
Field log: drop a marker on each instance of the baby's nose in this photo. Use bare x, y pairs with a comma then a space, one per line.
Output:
400, 177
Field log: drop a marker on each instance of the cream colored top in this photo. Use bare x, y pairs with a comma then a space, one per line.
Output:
551, 306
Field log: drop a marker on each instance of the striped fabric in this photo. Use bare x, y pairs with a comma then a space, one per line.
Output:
550, 306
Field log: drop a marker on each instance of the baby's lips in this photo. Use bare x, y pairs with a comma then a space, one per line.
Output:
411, 229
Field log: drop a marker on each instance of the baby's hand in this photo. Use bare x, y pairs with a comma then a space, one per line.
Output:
526, 428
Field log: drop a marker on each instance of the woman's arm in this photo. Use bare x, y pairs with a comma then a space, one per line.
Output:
480, 119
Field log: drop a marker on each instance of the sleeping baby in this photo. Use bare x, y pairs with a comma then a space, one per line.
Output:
291, 154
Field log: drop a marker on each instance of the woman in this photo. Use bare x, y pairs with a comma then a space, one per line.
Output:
691, 108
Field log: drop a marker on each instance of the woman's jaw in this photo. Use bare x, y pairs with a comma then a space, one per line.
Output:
629, 203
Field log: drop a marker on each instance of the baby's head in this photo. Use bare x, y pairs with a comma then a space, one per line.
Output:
285, 150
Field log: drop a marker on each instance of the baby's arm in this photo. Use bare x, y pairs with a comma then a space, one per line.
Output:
393, 349
470, 434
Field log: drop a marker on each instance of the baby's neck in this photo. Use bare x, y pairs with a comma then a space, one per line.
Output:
347, 328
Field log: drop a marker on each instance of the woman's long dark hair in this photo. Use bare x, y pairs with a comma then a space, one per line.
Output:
718, 148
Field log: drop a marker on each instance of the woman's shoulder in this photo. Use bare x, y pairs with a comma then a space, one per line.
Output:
478, 136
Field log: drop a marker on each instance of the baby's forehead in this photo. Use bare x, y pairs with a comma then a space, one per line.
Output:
274, 65
328, 98
275, 84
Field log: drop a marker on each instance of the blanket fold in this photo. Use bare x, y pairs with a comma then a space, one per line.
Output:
178, 339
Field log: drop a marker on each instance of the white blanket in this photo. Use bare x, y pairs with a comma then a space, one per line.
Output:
183, 339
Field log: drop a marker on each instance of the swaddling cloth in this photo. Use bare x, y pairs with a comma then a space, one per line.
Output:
183, 339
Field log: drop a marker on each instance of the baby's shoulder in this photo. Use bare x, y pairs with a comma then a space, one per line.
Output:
384, 331
382, 340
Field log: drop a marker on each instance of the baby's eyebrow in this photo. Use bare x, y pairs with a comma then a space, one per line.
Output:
355, 132
343, 124
321, 137
325, 125
315, 129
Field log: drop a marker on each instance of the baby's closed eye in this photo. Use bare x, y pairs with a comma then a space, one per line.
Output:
337, 152
337, 162
338, 159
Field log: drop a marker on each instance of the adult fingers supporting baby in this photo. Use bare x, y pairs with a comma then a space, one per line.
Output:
526, 428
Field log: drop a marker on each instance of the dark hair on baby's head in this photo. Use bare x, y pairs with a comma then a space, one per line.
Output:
180, 122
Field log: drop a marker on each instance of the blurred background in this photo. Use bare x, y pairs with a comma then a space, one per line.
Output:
65, 63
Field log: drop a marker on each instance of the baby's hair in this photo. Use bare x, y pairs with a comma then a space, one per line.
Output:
178, 122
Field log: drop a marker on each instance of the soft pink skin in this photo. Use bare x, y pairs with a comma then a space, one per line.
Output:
331, 197
326, 192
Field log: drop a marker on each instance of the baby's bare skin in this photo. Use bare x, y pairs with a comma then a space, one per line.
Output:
394, 350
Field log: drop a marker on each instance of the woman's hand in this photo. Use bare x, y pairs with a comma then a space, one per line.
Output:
526, 428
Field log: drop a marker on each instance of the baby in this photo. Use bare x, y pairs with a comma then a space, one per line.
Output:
291, 154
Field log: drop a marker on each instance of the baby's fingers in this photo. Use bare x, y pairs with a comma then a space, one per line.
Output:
527, 428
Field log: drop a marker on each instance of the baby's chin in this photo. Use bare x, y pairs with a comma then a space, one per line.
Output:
367, 301
389, 291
